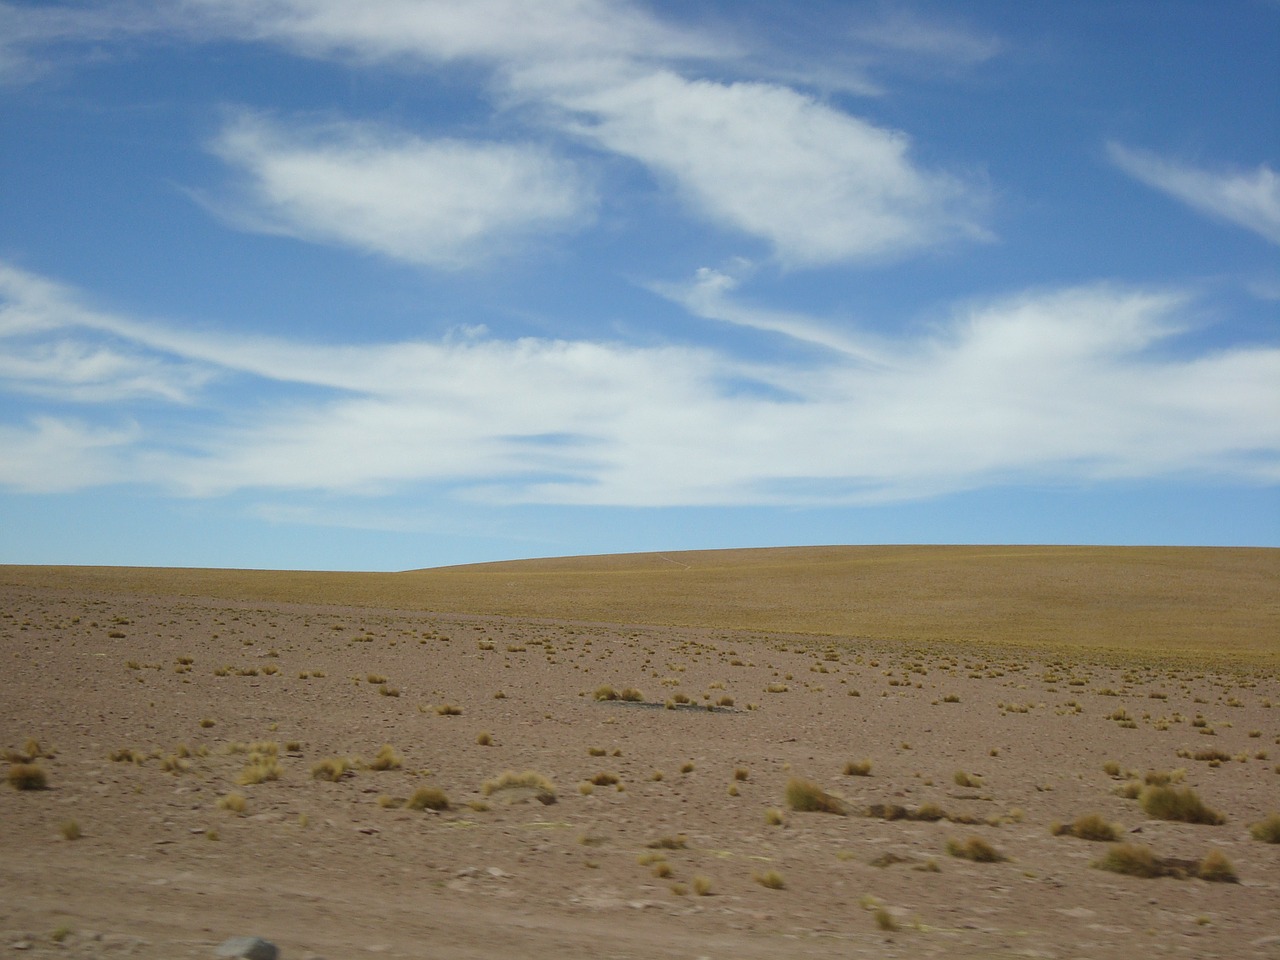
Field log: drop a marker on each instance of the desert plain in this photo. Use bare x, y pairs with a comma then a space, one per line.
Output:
603, 757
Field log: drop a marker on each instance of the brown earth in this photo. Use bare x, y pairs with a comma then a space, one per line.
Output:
324, 869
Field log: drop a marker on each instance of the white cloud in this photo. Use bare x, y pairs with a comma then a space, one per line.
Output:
440, 203
438, 30
903, 32
53, 347
819, 185
1067, 385
1247, 199
53, 455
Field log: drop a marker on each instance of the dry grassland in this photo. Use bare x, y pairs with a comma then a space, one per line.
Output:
844, 752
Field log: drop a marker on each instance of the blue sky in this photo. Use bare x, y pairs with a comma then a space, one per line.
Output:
380, 284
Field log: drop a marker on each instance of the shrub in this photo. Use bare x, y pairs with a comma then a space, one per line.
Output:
259, 771
1169, 803
332, 769
529, 780
1216, 868
70, 830
1090, 826
677, 842
963, 779
28, 776
773, 816
807, 797
741, 773
857, 768
605, 693
1268, 830
1133, 860
631, 695
701, 885
235, 802
771, 879
605, 779
428, 798
387, 759
975, 849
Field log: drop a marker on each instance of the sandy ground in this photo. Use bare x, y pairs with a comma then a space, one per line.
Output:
324, 869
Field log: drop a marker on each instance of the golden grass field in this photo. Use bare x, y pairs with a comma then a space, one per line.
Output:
959, 752
1214, 602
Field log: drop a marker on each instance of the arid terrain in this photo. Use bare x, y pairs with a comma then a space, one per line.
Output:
243, 753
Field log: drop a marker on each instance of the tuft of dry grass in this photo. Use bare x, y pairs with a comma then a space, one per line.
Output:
1216, 868
234, 802
963, 779
771, 879
677, 842
528, 780
387, 759
428, 798
976, 849
857, 768
27, 776
805, 796
701, 885
1090, 826
70, 830
332, 769
1184, 806
773, 816
1267, 830
1132, 860
260, 770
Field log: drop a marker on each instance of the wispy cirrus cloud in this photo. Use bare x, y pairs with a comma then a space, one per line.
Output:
441, 203
1067, 386
1249, 199
819, 185
904, 32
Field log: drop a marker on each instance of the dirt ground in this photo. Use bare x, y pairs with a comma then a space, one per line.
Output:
184, 691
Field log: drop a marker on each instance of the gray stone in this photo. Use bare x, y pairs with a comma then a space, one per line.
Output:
249, 948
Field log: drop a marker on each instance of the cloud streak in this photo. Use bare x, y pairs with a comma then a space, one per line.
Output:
441, 203
1072, 385
1247, 199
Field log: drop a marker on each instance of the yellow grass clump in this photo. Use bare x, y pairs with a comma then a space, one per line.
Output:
806, 796
27, 776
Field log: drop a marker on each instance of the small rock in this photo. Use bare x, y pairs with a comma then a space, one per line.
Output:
248, 948
20, 945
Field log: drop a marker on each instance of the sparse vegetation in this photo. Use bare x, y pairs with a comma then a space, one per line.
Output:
1090, 826
771, 879
1267, 830
28, 776
332, 769
857, 768
1169, 803
974, 848
387, 759
428, 798
807, 797
528, 780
